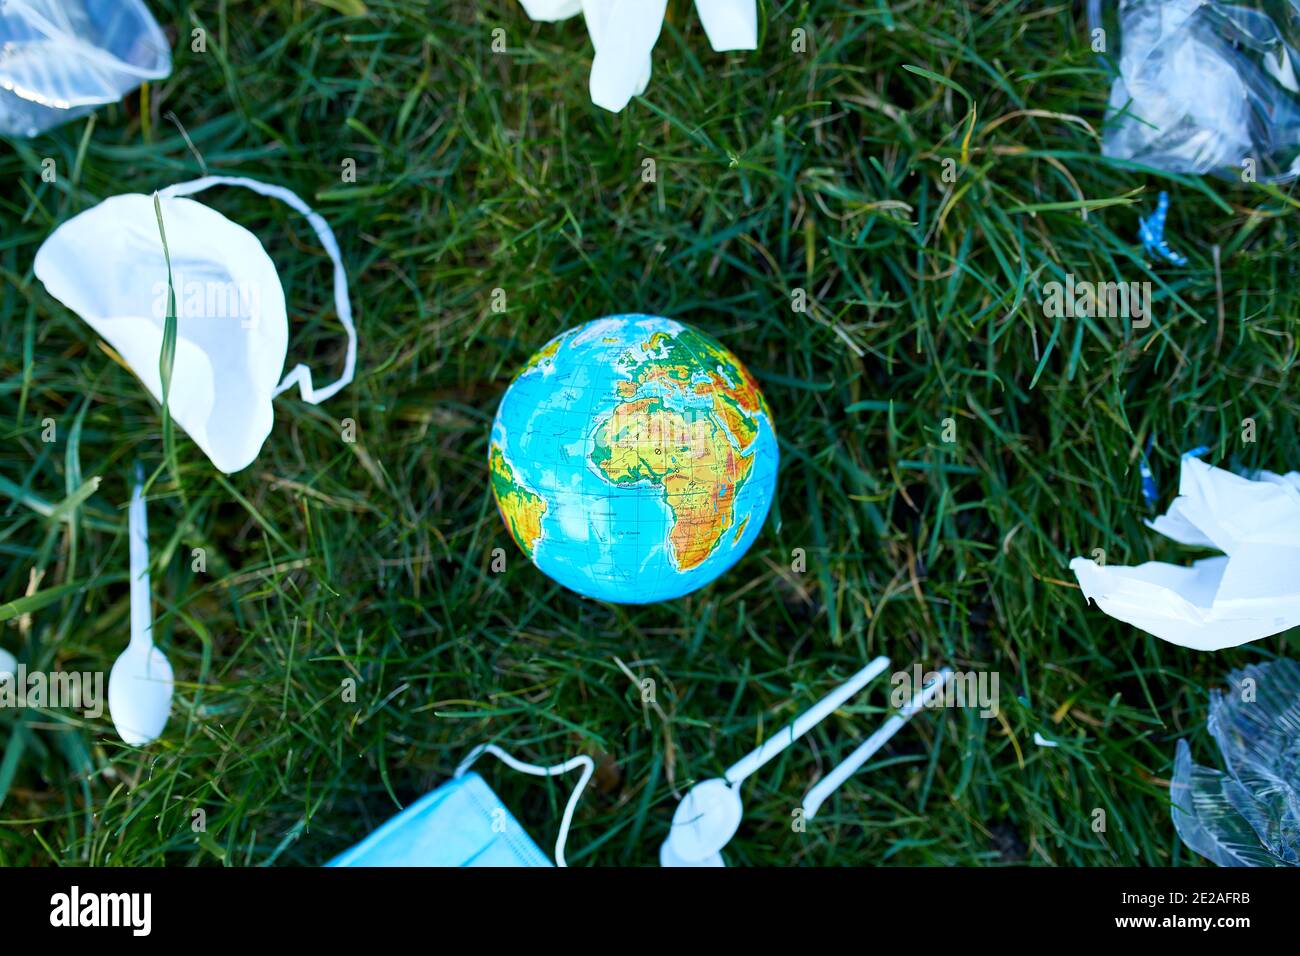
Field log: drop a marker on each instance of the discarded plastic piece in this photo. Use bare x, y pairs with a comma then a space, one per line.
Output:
60, 59
1248, 592
140, 683
463, 823
832, 781
1250, 814
1205, 86
1150, 493
729, 24
624, 33
1151, 233
710, 813
107, 264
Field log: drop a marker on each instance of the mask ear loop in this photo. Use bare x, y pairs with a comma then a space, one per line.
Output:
588, 765
300, 374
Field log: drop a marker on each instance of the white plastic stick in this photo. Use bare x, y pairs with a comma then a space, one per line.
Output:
138, 548
805, 722
832, 781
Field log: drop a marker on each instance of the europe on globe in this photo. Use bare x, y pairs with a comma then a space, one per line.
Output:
633, 459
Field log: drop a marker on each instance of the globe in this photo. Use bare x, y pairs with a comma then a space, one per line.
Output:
633, 459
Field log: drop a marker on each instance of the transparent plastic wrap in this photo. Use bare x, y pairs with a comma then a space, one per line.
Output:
59, 59
1250, 815
1204, 86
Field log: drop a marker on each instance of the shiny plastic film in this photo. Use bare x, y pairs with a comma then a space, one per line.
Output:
1250, 814
1203, 86
60, 59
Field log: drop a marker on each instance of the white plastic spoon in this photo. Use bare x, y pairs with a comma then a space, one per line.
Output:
140, 685
709, 814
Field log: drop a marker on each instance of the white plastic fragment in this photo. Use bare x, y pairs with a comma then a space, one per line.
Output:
1250, 591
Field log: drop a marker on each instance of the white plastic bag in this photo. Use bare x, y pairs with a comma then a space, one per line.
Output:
1206, 86
1250, 591
59, 59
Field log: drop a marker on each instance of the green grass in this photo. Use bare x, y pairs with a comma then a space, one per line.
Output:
776, 171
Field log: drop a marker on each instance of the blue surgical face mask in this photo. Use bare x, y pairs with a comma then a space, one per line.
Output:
463, 823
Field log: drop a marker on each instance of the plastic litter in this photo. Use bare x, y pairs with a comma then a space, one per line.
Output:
108, 265
60, 59
1250, 814
1205, 86
624, 32
1151, 233
711, 811
464, 823
1247, 592
141, 683
1150, 492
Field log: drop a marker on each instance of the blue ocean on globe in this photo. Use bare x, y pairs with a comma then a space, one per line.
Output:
633, 459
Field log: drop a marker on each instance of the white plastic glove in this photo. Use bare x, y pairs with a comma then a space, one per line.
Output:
624, 33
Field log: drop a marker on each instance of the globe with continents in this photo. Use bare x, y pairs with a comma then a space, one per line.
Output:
633, 459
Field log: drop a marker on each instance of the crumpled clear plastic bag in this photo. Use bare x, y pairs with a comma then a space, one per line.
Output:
1250, 815
1205, 86
60, 59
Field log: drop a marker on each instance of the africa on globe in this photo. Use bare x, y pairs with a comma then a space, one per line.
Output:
633, 459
